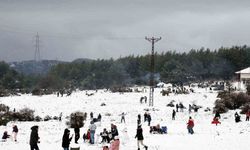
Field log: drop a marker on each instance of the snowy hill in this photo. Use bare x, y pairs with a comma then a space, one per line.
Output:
207, 136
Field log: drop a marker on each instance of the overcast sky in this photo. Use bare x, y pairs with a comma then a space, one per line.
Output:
71, 29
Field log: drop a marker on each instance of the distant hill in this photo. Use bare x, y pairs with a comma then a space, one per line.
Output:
32, 67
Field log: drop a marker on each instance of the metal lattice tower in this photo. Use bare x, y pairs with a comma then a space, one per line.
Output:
152, 40
37, 48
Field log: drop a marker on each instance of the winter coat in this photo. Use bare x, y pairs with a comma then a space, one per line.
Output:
115, 145
66, 139
114, 132
5, 135
15, 129
139, 135
248, 114
92, 127
77, 130
190, 123
149, 118
34, 135
216, 121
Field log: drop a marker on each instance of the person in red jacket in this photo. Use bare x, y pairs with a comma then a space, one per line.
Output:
216, 121
190, 125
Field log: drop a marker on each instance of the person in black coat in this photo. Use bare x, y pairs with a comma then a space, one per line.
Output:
145, 116
66, 139
139, 119
139, 136
173, 114
5, 136
34, 138
15, 131
149, 119
114, 131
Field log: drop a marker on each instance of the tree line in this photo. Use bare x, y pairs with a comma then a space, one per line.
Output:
171, 66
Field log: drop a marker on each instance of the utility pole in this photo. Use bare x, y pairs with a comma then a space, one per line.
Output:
37, 48
152, 40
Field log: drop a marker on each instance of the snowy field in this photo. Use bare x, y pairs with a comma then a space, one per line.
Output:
227, 136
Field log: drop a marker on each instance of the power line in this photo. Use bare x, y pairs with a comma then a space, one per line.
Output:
10, 29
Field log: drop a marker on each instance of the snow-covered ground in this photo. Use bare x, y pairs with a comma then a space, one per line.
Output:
227, 136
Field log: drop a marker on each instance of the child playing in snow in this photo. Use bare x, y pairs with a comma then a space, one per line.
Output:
216, 121
5, 136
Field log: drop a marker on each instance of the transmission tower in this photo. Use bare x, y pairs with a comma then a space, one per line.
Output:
37, 48
152, 40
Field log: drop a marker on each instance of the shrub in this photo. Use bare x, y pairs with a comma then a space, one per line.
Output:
76, 120
38, 119
248, 89
231, 101
55, 118
47, 118
220, 106
4, 108
245, 108
36, 91
4, 118
26, 114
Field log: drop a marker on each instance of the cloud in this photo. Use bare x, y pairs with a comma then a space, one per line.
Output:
70, 29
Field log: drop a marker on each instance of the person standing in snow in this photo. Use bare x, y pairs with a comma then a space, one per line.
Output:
66, 139
92, 129
145, 116
190, 125
237, 117
14, 132
189, 108
77, 134
247, 115
60, 117
173, 114
115, 144
99, 117
177, 107
139, 119
139, 136
149, 119
34, 138
91, 115
123, 117
114, 131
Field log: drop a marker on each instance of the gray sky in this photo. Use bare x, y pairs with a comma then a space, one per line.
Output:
71, 29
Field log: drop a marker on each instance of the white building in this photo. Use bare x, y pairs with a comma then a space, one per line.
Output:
243, 77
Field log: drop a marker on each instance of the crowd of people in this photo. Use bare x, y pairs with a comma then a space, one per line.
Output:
110, 138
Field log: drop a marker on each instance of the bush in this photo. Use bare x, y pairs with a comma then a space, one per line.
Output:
245, 108
36, 91
4, 108
76, 120
248, 89
4, 118
220, 106
55, 118
38, 119
231, 101
47, 118
25, 114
